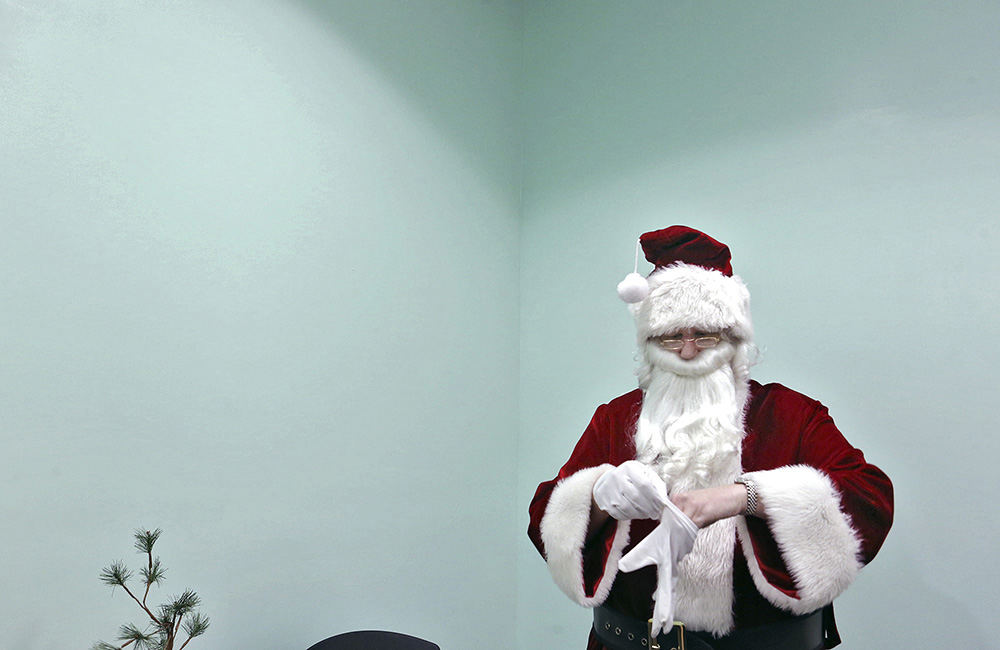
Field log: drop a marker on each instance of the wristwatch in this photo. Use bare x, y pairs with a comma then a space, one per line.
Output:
751, 487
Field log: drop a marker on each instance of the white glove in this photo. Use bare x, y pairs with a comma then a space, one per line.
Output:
665, 547
631, 491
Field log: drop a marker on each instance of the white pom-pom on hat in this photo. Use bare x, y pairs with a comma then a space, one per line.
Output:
634, 288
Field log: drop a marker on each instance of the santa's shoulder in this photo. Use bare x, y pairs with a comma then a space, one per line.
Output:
778, 396
625, 401
623, 406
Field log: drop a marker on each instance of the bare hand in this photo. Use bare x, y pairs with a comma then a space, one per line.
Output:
709, 505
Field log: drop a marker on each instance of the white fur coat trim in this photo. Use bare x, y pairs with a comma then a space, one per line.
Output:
704, 590
564, 531
815, 537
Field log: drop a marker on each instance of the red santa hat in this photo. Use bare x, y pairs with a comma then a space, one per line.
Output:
692, 286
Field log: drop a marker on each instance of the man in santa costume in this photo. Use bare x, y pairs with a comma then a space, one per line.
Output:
735, 509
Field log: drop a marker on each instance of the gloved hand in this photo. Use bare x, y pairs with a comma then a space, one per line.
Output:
665, 547
632, 490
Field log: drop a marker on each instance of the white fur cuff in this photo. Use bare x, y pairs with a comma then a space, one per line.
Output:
564, 531
816, 540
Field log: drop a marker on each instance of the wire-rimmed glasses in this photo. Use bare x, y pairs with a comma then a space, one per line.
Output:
674, 342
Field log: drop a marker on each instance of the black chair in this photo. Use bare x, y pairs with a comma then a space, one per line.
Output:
374, 640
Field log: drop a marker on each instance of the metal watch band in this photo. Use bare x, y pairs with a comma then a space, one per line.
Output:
751, 487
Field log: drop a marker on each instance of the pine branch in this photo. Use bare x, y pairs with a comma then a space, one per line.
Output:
153, 574
145, 539
170, 617
165, 621
196, 625
132, 634
116, 574
186, 602
138, 602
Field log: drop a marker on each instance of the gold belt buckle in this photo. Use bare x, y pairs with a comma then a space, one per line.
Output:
654, 645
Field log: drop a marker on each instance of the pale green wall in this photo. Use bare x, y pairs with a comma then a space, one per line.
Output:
848, 153
258, 285
233, 231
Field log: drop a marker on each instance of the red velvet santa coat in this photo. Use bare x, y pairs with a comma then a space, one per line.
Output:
828, 513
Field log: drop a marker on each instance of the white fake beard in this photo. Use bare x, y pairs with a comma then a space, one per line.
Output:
690, 427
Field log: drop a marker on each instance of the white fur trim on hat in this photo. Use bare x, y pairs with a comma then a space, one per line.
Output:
564, 531
815, 537
683, 295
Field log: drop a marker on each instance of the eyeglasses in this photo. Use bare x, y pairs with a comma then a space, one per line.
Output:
675, 342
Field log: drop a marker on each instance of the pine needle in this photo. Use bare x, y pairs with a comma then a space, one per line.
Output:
154, 574
116, 575
196, 625
144, 539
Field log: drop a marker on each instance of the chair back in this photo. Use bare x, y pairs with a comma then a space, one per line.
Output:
374, 640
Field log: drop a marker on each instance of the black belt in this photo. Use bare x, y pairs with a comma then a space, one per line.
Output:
620, 632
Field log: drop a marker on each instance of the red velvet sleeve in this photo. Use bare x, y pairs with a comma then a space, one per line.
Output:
604, 441
592, 450
866, 494
788, 430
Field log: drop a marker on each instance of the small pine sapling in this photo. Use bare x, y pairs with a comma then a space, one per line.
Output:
165, 621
